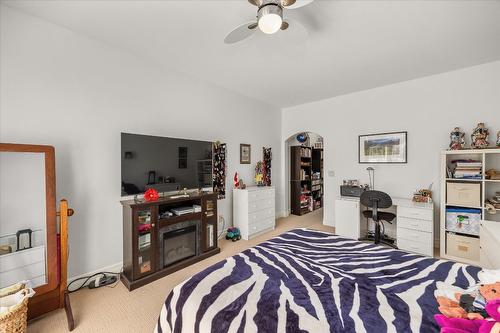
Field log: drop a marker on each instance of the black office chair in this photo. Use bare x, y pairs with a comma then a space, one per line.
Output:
375, 200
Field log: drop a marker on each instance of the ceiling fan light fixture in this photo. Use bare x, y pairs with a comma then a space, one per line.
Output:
270, 18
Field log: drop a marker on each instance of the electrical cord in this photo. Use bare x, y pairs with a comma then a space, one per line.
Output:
87, 279
223, 226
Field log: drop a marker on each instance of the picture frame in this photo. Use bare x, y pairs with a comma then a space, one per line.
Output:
383, 148
245, 153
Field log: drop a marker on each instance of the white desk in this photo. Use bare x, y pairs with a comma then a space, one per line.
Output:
414, 223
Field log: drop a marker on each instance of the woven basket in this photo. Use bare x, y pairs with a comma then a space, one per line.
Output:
16, 319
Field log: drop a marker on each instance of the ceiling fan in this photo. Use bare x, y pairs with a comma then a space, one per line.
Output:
269, 18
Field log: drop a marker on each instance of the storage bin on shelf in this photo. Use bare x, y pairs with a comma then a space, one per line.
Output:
463, 194
463, 220
465, 247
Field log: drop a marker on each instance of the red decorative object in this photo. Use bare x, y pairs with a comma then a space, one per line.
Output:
236, 181
151, 195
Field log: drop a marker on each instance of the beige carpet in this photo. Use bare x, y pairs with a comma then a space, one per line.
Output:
118, 310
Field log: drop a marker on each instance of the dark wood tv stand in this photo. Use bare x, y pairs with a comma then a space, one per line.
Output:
155, 245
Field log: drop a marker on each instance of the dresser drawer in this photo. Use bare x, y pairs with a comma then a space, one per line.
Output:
255, 218
414, 235
414, 246
414, 224
255, 206
260, 226
415, 213
261, 194
266, 224
23, 258
28, 272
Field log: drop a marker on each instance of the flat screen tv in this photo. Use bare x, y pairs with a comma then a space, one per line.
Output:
165, 164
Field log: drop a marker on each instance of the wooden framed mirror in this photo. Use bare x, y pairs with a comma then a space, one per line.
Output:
28, 221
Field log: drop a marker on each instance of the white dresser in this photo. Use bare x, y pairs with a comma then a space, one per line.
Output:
414, 223
253, 210
415, 226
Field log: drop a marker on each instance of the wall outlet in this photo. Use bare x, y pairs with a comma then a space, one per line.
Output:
331, 173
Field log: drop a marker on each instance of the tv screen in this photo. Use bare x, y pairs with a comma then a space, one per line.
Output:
165, 164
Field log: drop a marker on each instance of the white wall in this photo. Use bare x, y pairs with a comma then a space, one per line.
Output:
428, 108
63, 89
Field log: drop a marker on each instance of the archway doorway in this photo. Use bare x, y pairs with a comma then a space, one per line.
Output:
304, 174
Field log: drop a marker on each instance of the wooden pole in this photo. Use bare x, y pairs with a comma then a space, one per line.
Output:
64, 213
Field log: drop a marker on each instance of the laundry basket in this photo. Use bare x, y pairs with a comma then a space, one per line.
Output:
15, 320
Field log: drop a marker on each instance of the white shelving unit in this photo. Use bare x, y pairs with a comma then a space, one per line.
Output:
489, 237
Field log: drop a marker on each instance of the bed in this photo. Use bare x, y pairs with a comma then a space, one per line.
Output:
312, 281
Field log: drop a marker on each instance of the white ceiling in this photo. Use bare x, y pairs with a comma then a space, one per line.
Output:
350, 45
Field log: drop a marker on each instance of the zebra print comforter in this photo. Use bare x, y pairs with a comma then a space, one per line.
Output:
311, 281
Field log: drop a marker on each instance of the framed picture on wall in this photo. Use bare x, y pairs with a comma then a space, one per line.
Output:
245, 154
383, 148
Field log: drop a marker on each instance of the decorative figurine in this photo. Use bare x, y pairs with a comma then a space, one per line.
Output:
457, 138
498, 139
238, 183
480, 136
259, 174
151, 195
236, 180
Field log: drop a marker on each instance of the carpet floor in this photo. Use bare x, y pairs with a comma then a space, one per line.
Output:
117, 310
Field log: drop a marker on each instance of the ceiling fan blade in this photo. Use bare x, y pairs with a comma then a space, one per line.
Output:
240, 32
299, 4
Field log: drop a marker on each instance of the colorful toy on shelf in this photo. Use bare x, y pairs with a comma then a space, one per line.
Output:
233, 234
480, 136
151, 195
457, 138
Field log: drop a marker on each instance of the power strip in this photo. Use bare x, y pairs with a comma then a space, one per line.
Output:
102, 281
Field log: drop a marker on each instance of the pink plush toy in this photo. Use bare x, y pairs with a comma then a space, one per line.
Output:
460, 325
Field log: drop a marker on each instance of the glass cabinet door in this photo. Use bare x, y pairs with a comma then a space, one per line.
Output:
210, 222
145, 249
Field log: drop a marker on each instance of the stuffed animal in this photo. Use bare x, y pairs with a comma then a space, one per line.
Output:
470, 305
460, 325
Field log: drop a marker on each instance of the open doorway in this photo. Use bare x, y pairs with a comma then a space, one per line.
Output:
304, 186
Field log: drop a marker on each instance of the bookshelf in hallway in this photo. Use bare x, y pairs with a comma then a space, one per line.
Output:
306, 179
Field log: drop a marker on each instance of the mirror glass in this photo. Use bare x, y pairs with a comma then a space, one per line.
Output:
22, 218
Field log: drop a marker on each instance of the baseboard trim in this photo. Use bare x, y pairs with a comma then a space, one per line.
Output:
115, 268
281, 214
329, 223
